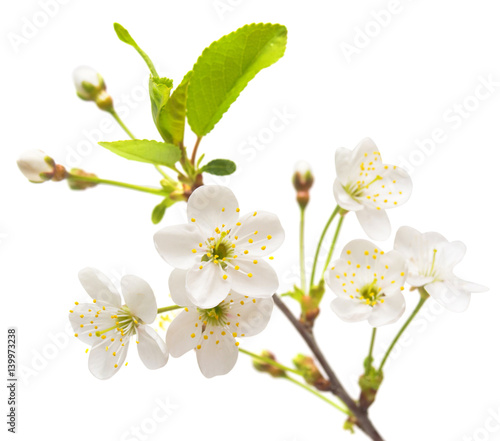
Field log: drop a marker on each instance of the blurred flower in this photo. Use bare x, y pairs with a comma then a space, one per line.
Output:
219, 251
431, 259
36, 166
368, 284
108, 325
368, 187
212, 332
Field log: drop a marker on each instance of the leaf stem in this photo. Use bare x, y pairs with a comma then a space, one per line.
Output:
302, 250
168, 308
96, 180
334, 241
270, 361
317, 394
318, 248
423, 297
195, 149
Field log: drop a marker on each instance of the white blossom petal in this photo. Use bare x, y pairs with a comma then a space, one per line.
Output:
93, 318
99, 287
211, 206
388, 312
176, 244
207, 286
102, 363
184, 333
375, 223
255, 278
350, 310
218, 353
152, 349
260, 233
343, 161
178, 290
449, 296
249, 316
139, 297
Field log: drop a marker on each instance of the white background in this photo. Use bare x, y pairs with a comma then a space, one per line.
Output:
442, 383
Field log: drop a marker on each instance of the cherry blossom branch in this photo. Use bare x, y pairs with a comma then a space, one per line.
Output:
361, 418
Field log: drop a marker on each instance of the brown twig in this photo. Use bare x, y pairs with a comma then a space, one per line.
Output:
361, 418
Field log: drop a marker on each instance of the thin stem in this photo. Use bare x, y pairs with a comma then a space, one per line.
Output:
334, 242
317, 394
423, 297
302, 250
369, 358
162, 172
318, 248
361, 417
168, 308
195, 150
96, 180
270, 361
121, 123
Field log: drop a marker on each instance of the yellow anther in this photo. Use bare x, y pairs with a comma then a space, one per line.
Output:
255, 262
237, 343
224, 276
223, 333
236, 267
198, 347
94, 300
90, 334
193, 335
269, 237
234, 334
200, 267
250, 275
116, 366
250, 240
186, 309
238, 224
205, 337
76, 335
366, 253
255, 214
193, 219
271, 258
223, 209
76, 303
193, 250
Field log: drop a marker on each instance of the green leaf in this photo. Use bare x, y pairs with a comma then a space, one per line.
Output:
172, 117
225, 68
296, 294
160, 209
152, 152
159, 92
219, 167
125, 36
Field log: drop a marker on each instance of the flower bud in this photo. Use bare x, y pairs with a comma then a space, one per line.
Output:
302, 180
36, 166
262, 366
90, 86
307, 367
76, 184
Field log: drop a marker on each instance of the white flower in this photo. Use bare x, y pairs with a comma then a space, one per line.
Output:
87, 82
108, 325
368, 284
368, 187
212, 332
431, 259
36, 166
220, 250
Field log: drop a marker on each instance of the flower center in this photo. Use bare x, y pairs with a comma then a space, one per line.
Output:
125, 322
357, 190
221, 249
370, 294
216, 316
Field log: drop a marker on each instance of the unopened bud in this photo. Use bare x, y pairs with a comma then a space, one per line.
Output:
90, 86
302, 180
308, 369
76, 184
37, 166
272, 370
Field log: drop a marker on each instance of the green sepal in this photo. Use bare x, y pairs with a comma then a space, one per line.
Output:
160, 209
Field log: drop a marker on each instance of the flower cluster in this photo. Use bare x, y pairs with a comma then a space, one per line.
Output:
220, 278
